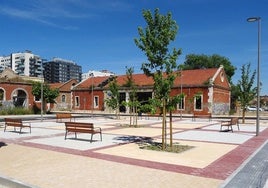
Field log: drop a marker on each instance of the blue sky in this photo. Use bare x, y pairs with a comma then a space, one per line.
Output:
99, 34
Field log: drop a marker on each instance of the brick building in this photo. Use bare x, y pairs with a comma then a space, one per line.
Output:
64, 101
16, 90
205, 91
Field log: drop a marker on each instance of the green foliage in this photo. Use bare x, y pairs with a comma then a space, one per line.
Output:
113, 100
193, 61
246, 91
49, 95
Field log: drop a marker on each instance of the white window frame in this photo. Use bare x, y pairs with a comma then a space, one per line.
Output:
96, 101
77, 101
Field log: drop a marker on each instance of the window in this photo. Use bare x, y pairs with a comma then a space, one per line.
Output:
181, 104
37, 98
96, 101
77, 102
63, 98
2, 94
198, 102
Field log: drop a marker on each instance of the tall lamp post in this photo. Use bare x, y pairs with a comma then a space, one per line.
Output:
257, 19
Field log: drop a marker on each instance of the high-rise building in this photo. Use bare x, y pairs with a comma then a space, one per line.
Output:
22, 63
61, 70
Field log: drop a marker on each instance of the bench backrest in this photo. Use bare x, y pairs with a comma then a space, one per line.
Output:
12, 120
63, 115
234, 120
79, 125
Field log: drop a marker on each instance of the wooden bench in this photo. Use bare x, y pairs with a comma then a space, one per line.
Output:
12, 122
61, 116
229, 124
202, 116
78, 127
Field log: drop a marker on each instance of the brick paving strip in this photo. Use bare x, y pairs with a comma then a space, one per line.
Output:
257, 166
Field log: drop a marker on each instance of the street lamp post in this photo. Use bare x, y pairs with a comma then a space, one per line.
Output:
258, 19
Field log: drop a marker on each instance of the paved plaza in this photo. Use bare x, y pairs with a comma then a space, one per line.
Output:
45, 159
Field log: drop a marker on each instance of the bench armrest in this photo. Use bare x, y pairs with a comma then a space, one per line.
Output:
27, 124
97, 128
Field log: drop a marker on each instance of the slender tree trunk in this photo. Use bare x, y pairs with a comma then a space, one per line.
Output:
243, 115
130, 116
164, 125
170, 130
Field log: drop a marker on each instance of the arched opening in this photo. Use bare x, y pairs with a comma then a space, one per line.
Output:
19, 98
2, 94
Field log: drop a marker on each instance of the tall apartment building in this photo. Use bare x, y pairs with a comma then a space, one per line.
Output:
61, 70
22, 63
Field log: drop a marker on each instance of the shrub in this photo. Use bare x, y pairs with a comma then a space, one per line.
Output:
16, 111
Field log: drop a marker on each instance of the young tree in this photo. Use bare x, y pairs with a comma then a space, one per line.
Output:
113, 101
133, 102
154, 41
247, 92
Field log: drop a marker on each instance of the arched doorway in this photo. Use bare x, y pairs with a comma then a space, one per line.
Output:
19, 97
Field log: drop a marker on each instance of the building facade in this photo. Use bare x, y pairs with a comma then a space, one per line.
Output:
64, 101
205, 91
16, 91
61, 70
22, 63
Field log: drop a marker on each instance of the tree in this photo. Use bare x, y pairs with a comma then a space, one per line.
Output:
154, 41
247, 92
113, 102
193, 61
49, 95
133, 102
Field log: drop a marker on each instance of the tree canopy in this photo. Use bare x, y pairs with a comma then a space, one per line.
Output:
193, 61
49, 95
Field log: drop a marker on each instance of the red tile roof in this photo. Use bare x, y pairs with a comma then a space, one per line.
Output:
198, 77
195, 77
139, 79
95, 81
63, 86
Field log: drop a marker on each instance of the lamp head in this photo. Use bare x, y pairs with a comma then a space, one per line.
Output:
253, 19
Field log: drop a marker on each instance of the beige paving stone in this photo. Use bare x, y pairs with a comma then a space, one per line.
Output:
200, 156
140, 131
49, 169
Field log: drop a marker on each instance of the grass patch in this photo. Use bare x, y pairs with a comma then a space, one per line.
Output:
156, 146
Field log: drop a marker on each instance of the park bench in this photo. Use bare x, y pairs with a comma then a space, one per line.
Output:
16, 123
229, 124
60, 117
202, 116
78, 127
